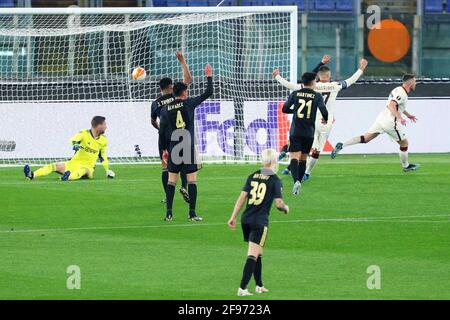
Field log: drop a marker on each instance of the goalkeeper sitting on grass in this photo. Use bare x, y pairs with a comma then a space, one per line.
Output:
89, 145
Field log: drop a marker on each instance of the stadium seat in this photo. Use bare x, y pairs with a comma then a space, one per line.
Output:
344, 5
433, 5
285, 3
301, 5
214, 3
7, 4
198, 3
160, 3
176, 3
324, 5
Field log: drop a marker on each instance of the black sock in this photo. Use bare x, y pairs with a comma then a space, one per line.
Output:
258, 272
183, 179
192, 191
301, 169
294, 169
170, 191
164, 178
249, 269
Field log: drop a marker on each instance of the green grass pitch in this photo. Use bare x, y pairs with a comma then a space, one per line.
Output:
356, 211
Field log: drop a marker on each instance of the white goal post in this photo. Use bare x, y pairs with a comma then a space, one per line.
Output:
59, 67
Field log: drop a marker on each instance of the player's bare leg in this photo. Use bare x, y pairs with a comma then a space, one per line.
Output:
404, 157
170, 192
310, 163
192, 192
44, 171
366, 138
254, 251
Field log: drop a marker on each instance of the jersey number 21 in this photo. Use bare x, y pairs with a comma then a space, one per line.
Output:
308, 105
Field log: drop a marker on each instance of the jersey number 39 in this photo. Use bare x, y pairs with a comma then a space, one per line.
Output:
257, 193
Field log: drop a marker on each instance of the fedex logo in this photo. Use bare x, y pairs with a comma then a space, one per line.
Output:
266, 126
215, 128
263, 126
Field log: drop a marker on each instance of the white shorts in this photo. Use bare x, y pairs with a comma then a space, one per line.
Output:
321, 134
388, 125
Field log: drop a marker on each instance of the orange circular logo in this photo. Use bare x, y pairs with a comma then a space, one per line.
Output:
389, 40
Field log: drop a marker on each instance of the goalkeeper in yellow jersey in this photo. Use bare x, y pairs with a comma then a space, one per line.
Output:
89, 146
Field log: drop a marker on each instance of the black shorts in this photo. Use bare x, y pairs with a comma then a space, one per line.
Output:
188, 168
194, 163
255, 233
300, 144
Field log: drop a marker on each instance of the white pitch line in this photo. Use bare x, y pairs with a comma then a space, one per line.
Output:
349, 219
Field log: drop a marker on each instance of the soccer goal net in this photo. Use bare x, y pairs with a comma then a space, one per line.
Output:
61, 67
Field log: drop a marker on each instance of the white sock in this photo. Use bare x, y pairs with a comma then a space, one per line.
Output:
404, 158
310, 164
354, 140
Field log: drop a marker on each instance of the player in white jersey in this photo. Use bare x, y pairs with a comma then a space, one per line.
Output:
390, 121
329, 90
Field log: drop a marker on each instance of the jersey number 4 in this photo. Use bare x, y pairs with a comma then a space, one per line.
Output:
180, 122
257, 193
304, 104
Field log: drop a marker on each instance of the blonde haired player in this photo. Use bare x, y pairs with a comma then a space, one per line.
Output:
262, 187
90, 146
329, 90
390, 121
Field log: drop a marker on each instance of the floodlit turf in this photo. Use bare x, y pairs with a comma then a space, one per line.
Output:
356, 211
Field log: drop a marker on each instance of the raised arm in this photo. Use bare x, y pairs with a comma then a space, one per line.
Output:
187, 78
209, 88
325, 59
284, 82
237, 208
289, 103
348, 82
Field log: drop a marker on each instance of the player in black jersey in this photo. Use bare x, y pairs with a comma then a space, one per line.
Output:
178, 118
303, 104
260, 189
166, 87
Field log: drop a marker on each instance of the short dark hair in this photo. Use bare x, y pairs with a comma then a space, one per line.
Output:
324, 69
179, 88
97, 120
308, 77
408, 76
165, 83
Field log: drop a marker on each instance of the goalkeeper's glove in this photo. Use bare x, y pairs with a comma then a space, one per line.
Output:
110, 174
76, 146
